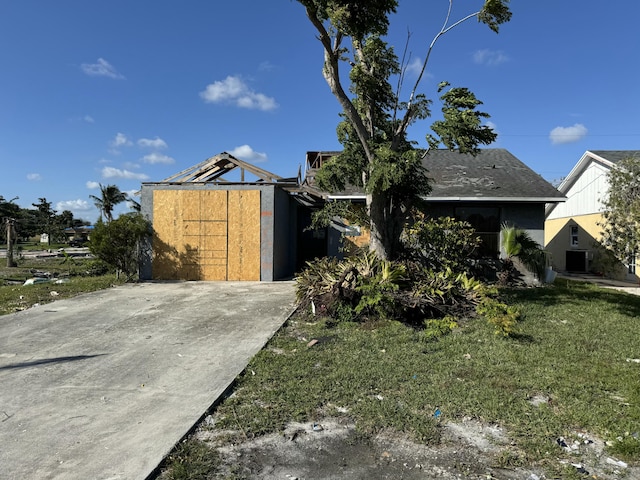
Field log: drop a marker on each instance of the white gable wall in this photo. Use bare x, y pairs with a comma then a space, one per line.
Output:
585, 196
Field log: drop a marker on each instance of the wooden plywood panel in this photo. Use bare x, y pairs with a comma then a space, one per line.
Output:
191, 227
213, 204
214, 273
244, 235
189, 204
206, 235
213, 235
165, 206
215, 228
212, 243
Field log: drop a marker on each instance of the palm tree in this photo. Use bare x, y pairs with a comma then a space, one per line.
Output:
110, 197
517, 243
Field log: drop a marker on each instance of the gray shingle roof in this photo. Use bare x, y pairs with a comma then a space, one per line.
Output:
615, 156
492, 174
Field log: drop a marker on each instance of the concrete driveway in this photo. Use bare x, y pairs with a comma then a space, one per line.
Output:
102, 386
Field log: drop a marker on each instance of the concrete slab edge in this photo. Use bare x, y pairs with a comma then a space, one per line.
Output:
225, 394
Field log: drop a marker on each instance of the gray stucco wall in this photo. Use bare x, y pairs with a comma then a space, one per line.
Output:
284, 236
146, 204
528, 216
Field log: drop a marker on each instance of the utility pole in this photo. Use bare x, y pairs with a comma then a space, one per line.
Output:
10, 234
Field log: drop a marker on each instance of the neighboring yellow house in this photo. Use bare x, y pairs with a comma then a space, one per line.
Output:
572, 229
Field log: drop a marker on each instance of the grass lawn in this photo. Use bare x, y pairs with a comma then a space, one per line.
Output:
572, 369
78, 275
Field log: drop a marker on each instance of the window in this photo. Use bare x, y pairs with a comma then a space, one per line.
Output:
486, 222
574, 235
632, 264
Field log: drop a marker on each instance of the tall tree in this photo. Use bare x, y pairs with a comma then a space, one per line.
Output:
621, 225
45, 216
377, 154
110, 196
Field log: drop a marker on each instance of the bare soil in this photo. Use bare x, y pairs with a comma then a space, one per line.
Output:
335, 450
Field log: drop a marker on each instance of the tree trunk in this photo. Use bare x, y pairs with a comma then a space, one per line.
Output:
387, 221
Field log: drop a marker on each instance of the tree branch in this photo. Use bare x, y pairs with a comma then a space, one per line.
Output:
331, 73
408, 116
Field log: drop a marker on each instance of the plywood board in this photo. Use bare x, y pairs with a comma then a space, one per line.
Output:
189, 204
165, 204
206, 235
213, 205
244, 235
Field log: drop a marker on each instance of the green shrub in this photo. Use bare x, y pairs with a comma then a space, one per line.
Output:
117, 242
441, 243
502, 316
438, 327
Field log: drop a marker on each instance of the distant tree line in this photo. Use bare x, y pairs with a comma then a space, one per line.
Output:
42, 218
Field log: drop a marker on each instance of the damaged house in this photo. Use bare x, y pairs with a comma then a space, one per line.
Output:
256, 228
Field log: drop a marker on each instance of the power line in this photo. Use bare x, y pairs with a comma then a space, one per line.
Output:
567, 135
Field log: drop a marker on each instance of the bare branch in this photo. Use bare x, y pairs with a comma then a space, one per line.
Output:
331, 73
404, 64
408, 116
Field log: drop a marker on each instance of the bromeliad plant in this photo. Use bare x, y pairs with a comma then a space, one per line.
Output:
431, 283
365, 287
361, 285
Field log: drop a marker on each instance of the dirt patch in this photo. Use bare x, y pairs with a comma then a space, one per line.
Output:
334, 449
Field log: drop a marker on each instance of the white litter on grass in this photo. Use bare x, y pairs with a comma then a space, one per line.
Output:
633, 360
617, 463
35, 280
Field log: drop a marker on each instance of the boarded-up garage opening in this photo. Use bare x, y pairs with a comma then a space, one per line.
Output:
206, 235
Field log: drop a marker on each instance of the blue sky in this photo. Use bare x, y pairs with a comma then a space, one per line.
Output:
123, 92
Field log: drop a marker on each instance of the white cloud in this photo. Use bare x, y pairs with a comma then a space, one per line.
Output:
492, 126
101, 69
131, 165
414, 67
157, 143
111, 172
91, 185
490, 58
78, 205
266, 66
560, 135
154, 158
121, 140
245, 152
234, 90
88, 119
34, 177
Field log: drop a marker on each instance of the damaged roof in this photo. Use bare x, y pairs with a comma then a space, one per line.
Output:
494, 174
213, 169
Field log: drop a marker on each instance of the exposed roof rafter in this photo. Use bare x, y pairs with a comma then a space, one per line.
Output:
212, 170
